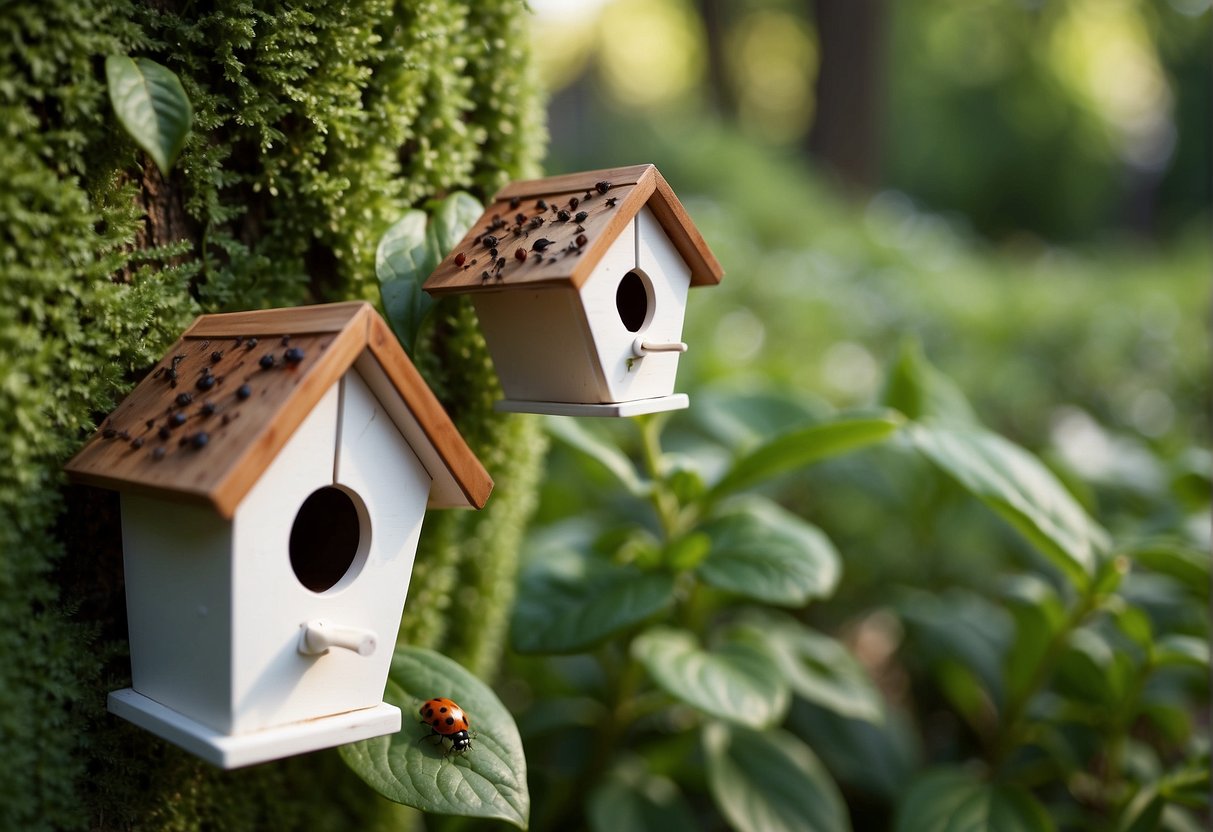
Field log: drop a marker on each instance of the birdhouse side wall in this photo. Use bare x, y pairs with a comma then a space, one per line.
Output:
178, 570
666, 278
539, 342
348, 442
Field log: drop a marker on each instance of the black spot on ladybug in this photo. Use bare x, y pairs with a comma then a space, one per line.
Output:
184, 399
293, 356
602, 187
267, 361
243, 391
450, 720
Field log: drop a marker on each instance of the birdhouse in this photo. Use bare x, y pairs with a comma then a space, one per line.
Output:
580, 285
274, 470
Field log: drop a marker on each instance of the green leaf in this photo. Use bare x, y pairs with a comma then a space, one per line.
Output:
1180, 650
1022, 491
409, 251
403, 260
1186, 564
736, 682
489, 781
568, 602
920, 391
817, 667
641, 801
874, 758
805, 446
770, 782
608, 456
765, 553
450, 220
1039, 615
151, 105
956, 801
960, 627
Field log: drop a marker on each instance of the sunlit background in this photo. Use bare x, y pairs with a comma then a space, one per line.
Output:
1019, 188
1022, 185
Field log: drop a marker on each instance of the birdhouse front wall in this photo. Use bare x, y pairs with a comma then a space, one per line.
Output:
217, 608
665, 278
348, 443
562, 344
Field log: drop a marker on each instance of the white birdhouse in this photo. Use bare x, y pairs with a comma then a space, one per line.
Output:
580, 284
274, 470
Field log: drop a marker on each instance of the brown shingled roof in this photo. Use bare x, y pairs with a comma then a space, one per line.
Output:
610, 198
152, 441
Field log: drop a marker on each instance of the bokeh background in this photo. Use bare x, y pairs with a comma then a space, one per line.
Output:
1022, 186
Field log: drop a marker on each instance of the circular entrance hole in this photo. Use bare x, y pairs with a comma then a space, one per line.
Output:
326, 538
632, 300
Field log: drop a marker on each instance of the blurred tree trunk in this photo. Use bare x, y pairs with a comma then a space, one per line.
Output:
715, 22
850, 88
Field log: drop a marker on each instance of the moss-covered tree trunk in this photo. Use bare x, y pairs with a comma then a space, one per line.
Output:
316, 125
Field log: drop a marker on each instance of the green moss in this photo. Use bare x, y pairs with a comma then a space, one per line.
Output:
316, 125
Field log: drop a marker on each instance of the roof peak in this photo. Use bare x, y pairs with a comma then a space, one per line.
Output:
221, 404
554, 231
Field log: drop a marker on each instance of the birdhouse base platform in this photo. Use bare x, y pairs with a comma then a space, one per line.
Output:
228, 752
637, 407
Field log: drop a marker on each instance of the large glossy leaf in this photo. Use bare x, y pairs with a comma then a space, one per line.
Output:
608, 456
818, 668
410, 250
639, 801
957, 801
568, 602
770, 782
765, 553
804, 446
1020, 489
151, 105
488, 781
736, 682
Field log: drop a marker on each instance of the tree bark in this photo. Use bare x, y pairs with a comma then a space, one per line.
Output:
845, 136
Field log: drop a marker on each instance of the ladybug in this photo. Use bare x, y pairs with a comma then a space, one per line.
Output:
446, 719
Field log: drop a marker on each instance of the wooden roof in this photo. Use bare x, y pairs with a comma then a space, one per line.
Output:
523, 214
179, 435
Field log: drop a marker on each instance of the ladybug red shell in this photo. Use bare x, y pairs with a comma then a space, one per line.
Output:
446, 719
